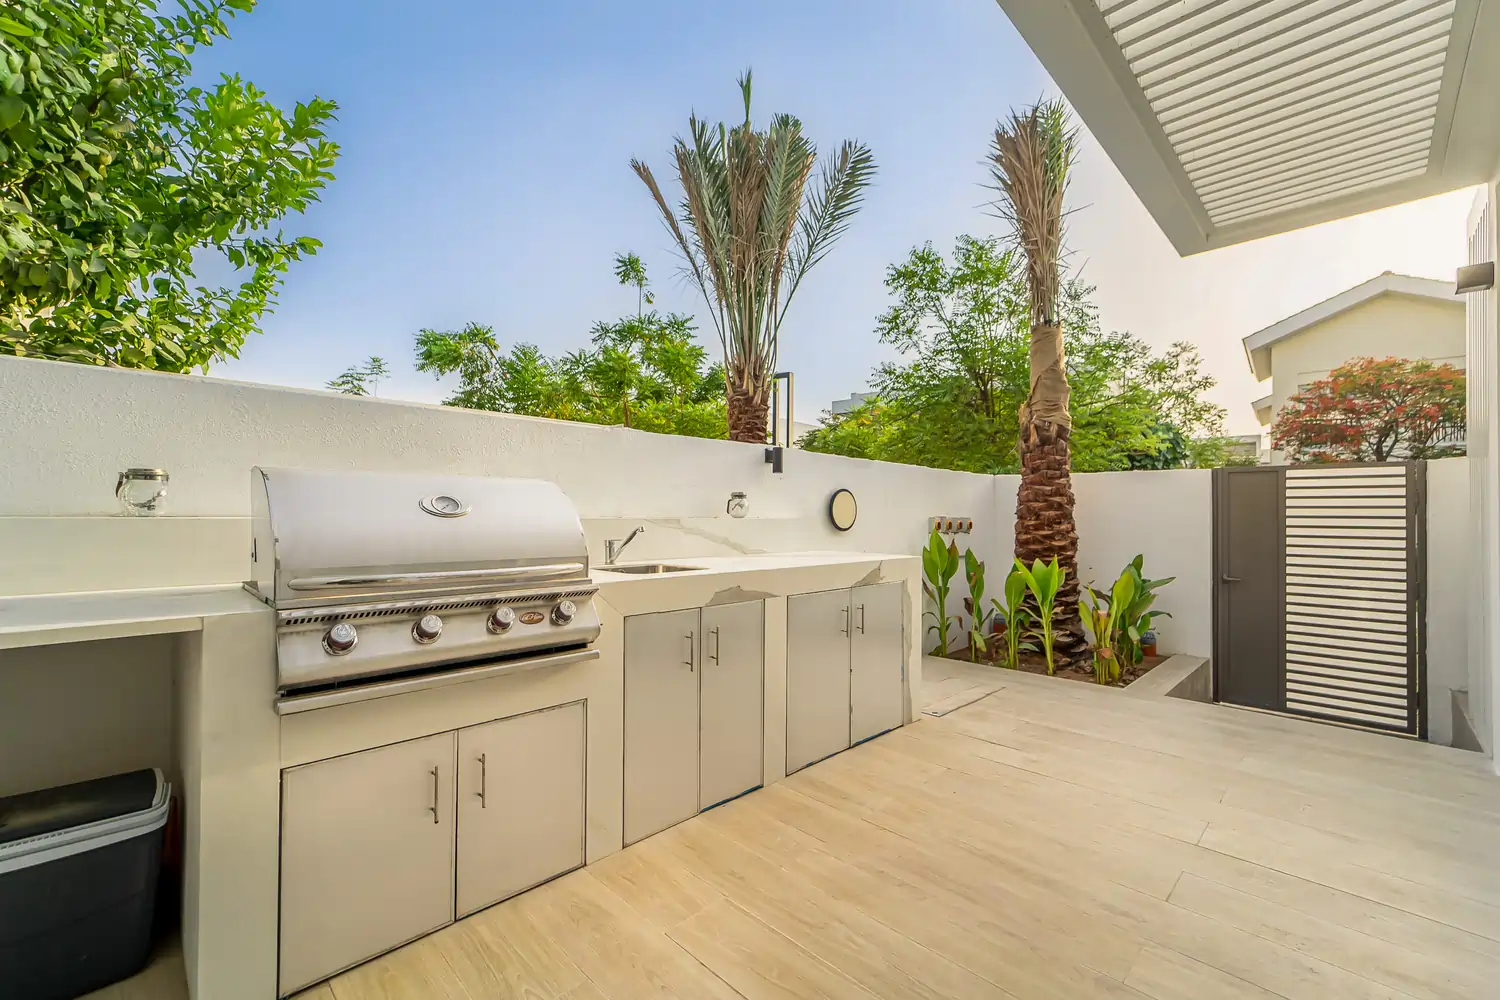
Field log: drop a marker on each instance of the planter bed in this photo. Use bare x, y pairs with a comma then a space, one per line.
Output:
1035, 663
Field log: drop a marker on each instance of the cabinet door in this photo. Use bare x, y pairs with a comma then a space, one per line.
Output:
520, 803
817, 676
366, 855
661, 721
877, 659
732, 700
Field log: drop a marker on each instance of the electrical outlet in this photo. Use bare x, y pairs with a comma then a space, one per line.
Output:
947, 524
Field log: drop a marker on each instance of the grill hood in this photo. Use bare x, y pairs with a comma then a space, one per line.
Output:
324, 538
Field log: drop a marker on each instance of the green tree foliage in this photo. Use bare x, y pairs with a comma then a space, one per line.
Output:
951, 402
646, 371
1376, 411
115, 174
360, 380
629, 270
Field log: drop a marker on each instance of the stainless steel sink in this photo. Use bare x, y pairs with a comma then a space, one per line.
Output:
643, 568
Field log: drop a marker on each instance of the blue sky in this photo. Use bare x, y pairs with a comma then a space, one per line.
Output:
485, 176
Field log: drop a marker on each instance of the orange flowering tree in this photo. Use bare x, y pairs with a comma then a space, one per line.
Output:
1375, 411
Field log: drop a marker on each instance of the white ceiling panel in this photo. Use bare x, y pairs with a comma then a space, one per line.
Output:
1273, 105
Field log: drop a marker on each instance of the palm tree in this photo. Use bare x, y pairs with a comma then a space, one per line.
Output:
1031, 158
630, 270
750, 236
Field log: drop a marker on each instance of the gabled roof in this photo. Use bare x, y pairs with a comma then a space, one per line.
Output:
1262, 408
1237, 119
1258, 344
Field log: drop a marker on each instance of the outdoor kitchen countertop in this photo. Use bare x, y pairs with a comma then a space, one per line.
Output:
724, 565
726, 579
45, 619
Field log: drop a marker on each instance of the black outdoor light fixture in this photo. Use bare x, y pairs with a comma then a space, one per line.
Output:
777, 451
1475, 278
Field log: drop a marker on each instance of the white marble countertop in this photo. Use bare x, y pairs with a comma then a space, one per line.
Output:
44, 619
726, 565
726, 579
707, 568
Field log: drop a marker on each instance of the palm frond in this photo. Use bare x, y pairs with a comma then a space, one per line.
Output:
839, 194
1031, 160
748, 230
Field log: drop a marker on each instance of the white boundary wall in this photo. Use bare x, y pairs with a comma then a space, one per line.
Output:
1168, 517
1484, 477
1450, 537
70, 428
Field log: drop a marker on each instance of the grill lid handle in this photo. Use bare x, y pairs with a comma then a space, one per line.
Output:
544, 571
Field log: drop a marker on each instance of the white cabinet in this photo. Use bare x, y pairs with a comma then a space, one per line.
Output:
877, 660
845, 669
694, 712
520, 803
367, 853
817, 676
661, 721
731, 700
383, 846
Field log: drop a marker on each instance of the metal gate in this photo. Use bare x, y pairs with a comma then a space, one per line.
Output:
1319, 592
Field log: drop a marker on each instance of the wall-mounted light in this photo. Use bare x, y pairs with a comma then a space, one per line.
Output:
1475, 278
779, 442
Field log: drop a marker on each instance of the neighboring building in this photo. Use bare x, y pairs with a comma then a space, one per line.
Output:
1389, 316
1247, 446
855, 400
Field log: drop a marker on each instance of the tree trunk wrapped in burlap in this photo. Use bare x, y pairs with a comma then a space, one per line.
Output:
1044, 504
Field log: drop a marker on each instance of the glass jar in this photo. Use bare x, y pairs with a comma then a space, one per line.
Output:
739, 504
141, 491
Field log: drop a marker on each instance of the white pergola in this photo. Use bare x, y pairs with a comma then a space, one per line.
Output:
1236, 119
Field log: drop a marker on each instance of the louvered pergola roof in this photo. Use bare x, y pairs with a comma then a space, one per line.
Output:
1235, 119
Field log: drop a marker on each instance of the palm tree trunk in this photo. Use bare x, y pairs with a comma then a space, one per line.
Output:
1045, 526
747, 415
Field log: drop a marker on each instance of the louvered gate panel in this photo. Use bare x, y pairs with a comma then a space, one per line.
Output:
1352, 594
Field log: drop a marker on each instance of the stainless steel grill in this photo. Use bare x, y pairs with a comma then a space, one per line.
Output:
385, 583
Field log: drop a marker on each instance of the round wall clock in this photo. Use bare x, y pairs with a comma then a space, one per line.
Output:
842, 510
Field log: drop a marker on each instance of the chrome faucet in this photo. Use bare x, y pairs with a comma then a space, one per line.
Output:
614, 546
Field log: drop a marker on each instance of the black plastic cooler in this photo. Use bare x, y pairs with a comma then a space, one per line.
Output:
78, 872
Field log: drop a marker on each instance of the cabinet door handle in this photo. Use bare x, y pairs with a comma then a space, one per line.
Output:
845, 629
715, 656
692, 641
861, 619
483, 783
434, 796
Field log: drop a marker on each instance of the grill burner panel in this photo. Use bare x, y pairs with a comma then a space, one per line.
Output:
384, 580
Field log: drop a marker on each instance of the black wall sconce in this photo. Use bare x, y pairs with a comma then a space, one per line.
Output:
776, 453
1475, 278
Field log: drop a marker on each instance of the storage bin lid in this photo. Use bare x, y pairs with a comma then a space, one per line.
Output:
81, 816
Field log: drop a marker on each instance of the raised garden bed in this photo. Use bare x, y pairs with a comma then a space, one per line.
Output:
1035, 663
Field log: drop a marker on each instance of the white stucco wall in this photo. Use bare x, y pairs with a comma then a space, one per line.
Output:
1166, 517
1484, 477
71, 428
1450, 539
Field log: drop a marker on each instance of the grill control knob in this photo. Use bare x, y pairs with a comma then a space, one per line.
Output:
563, 613
501, 619
428, 629
340, 639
